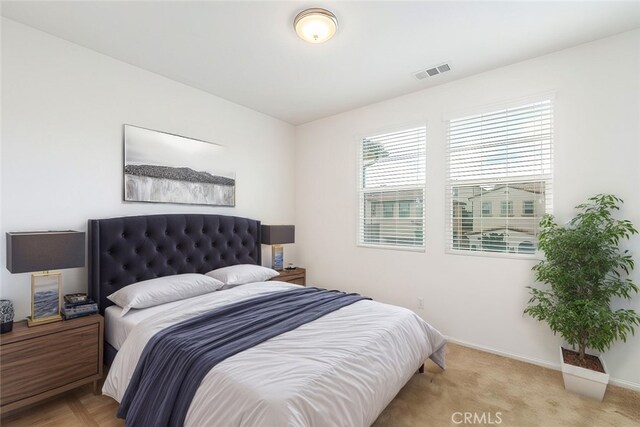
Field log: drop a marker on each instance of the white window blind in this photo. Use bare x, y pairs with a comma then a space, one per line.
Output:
391, 189
499, 162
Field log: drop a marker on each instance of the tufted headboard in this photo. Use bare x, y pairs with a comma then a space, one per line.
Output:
126, 250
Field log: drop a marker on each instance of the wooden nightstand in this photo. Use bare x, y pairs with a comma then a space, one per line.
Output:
45, 360
297, 275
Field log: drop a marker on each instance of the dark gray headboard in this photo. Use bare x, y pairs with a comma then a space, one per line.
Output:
126, 250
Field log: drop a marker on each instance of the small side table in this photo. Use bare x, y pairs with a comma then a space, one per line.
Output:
45, 360
298, 276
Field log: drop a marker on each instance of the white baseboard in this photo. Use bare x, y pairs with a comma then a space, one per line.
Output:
624, 384
545, 364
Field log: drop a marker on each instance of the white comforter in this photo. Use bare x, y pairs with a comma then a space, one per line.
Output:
340, 370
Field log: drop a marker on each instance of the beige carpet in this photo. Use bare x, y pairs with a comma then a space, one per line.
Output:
486, 384
476, 382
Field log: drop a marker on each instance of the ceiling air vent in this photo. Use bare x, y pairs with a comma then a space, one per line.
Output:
431, 72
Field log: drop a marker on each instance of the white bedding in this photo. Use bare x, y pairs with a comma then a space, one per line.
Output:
118, 327
340, 370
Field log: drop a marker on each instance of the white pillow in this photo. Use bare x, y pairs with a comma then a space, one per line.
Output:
149, 293
242, 273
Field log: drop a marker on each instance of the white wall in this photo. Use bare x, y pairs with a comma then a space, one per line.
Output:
473, 299
63, 107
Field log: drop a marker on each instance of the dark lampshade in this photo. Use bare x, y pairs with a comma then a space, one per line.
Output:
44, 250
278, 234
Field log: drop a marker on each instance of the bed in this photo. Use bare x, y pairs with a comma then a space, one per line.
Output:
340, 369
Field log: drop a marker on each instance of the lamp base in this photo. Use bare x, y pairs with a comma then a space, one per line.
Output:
43, 320
46, 297
277, 257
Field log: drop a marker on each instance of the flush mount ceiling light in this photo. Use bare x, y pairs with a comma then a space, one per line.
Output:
315, 25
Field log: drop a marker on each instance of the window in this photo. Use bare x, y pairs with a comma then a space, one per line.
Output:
392, 176
527, 208
506, 208
405, 208
375, 208
387, 207
486, 208
499, 158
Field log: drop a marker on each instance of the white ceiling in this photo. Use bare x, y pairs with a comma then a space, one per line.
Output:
248, 53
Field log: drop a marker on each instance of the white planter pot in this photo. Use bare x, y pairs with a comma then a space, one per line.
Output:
585, 381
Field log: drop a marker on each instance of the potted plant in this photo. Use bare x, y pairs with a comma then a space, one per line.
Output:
584, 269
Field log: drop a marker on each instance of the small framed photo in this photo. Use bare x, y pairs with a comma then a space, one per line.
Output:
46, 297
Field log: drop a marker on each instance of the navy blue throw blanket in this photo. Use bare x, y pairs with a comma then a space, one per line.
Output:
176, 359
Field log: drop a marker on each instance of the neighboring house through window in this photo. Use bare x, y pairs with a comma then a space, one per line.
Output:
392, 177
499, 161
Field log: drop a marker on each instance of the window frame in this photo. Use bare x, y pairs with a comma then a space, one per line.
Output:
375, 208
388, 204
547, 179
407, 204
533, 208
421, 123
489, 212
508, 204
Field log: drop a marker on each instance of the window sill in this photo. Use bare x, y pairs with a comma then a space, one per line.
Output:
538, 256
392, 248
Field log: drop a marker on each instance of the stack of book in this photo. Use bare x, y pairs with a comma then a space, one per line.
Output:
78, 305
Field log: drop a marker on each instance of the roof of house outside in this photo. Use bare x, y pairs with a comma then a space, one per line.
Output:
490, 230
523, 187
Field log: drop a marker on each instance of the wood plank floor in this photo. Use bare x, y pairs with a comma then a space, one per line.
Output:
475, 381
76, 408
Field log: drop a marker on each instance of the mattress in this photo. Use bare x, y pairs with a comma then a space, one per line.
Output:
341, 369
117, 328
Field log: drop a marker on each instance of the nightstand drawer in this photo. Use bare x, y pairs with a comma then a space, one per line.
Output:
297, 276
42, 363
289, 278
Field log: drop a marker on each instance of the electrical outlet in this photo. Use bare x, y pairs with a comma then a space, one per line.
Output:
421, 303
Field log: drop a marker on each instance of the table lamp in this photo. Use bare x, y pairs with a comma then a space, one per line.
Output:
276, 236
43, 251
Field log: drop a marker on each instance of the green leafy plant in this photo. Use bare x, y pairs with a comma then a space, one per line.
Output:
585, 269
